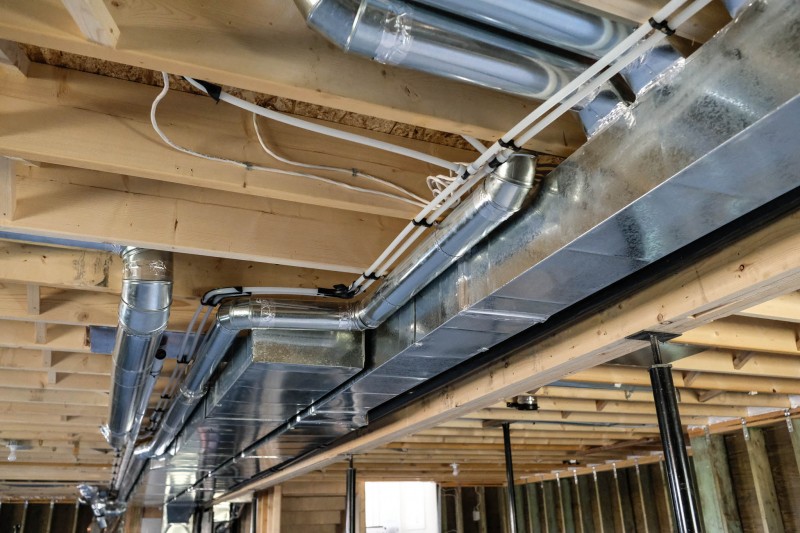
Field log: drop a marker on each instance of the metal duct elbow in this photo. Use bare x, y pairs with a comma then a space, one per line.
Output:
395, 32
233, 317
502, 194
143, 316
570, 27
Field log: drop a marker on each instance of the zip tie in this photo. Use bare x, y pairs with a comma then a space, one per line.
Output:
214, 91
662, 26
371, 276
494, 163
509, 145
424, 223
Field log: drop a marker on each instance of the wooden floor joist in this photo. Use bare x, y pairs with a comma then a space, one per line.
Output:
185, 39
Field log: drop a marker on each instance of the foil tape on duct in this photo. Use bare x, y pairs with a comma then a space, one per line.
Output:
699, 150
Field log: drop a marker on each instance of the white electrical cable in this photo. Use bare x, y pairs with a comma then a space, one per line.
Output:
349, 171
331, 132
250, 166
479, 146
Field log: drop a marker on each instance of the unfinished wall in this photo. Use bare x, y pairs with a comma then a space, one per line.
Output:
744, 484
313, 505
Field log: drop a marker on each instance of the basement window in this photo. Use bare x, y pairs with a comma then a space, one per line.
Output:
401, 507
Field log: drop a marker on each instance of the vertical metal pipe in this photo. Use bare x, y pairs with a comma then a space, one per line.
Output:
24, 516
253, 514
642, 503
50, 517
620, 508
600, 524
75, 517
561, 515
512, 502
350, 497
578, 503
679, 470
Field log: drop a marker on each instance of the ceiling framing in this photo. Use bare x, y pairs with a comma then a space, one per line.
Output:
84, 163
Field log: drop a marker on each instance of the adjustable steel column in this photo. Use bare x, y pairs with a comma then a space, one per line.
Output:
350, 500
512, 501
679, 470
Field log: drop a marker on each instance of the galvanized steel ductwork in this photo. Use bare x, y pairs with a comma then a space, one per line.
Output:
143, 315
395, 32
502, 194
568, 26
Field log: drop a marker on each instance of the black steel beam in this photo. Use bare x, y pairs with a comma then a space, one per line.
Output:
679, 471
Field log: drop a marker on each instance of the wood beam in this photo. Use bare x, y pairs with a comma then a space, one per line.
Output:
715, 487
281, 233
714, 287
59, 338
696, 380
766, 497
8, 189
103, 124
77, 308
269, 510
785, 308
13, 58
746, 334
89, 270
185, 38
94, 21
747, 364
687, 396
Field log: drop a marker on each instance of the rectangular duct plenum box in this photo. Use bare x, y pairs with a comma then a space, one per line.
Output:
271, 375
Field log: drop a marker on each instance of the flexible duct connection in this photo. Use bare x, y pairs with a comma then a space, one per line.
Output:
502, 194
143, 315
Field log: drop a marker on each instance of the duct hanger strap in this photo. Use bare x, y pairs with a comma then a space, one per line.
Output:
662, 26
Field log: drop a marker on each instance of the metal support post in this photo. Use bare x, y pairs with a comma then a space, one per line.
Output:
24, 516
512, 501
679, 470
75, 517
350, 496
254, 514
49, 525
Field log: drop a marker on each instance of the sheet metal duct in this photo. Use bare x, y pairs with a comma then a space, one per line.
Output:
566, 25
143, 315
701, 149
398, 33
501, 194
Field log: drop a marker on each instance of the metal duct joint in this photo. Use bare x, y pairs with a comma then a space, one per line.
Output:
395, 32
502, 194
568, 26
143, 315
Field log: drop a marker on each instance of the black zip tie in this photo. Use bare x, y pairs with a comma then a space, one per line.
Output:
494, 163
338, 291
662, 26
371, 276
424, 223
214, 91
509, 145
